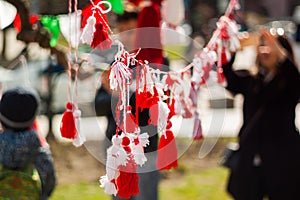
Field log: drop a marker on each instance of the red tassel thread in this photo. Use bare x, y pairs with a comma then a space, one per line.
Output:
130, 124
101, 40
67, 126
167, 152
127, 181
220, 75
197, 131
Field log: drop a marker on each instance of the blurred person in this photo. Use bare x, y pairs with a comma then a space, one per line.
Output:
269, 144
22, 150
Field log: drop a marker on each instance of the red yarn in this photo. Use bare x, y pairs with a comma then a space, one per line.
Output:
220, 75
171, 108
154, 114
101, 40
197, 131
127, 181
224, 58
67, 126
167, 152
130, 125
88, 11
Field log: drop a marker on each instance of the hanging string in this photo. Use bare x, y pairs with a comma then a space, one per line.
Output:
26, 70
70, 55
76, 66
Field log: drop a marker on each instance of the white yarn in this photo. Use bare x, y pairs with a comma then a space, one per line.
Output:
163, 112
138, 149
88, 31
109, 187
80, 137
118, 74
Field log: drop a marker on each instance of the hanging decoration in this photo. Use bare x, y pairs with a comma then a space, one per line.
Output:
51, 23
68, 125
117, 6
17, 21
165, 94
95, 26
121, 178
70, 27
7, 14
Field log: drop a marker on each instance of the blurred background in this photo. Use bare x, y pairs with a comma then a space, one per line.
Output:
29, 64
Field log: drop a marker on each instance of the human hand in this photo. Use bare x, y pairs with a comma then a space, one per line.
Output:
248, 39
275, 47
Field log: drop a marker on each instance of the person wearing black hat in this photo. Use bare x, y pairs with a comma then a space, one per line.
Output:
20, 145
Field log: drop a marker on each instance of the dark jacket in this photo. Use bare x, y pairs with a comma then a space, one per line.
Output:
268, 131
103, 106
19, 149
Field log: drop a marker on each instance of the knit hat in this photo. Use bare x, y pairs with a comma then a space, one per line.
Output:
18, 108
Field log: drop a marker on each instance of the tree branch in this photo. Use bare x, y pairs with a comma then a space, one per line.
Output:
39, 35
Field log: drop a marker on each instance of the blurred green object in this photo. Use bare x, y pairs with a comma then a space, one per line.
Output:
117, 6
51, 23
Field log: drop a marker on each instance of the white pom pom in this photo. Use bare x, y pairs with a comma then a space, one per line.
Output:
144, 139
138, 154
88, 31
109, 187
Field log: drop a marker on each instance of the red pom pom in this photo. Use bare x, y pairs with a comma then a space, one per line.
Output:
127, 181
167, 152
125, 141
68, 126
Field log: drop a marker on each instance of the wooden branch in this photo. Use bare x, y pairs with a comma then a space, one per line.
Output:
40, 35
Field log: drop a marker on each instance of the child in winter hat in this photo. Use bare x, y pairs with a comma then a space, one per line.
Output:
20, 144
18, 108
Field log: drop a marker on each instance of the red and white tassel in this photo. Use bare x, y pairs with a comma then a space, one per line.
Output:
68, 126
127, 181
137, 148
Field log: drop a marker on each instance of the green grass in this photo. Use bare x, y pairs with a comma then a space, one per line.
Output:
201, 185
205, 185
81, 191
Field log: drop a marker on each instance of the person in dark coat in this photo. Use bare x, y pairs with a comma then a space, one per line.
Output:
21, 147
269, 162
